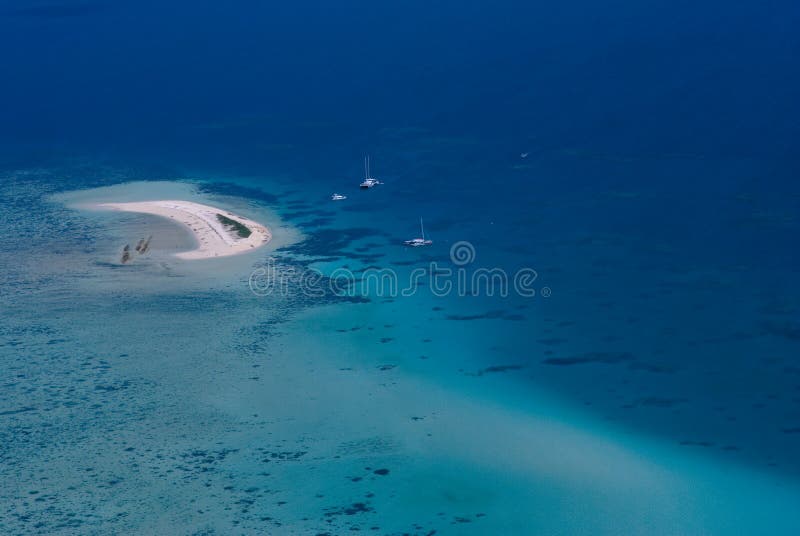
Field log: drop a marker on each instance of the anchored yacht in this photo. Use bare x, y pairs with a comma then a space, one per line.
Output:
338, 197
417, 242
368, 182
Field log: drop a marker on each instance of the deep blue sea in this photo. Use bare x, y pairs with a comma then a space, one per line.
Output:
640, 158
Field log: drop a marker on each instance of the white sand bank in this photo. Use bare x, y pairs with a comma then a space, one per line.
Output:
215, 239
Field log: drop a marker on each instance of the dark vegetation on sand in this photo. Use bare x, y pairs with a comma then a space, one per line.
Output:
234, 225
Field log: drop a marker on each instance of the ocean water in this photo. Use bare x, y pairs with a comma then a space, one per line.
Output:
651, 385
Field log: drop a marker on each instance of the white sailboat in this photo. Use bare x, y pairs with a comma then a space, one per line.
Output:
368, 182
417, 242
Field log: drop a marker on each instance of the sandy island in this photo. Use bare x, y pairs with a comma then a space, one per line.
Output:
216, 238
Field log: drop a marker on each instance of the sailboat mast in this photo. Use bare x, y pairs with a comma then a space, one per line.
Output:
366, 167
422, 229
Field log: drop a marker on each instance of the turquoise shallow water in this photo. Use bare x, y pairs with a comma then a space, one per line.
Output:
166, 397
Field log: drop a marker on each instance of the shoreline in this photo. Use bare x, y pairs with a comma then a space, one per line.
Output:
212, 237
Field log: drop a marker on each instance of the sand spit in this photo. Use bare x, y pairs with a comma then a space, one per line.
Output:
215, 229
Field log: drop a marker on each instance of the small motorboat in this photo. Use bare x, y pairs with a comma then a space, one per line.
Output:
418, 242
338, 197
